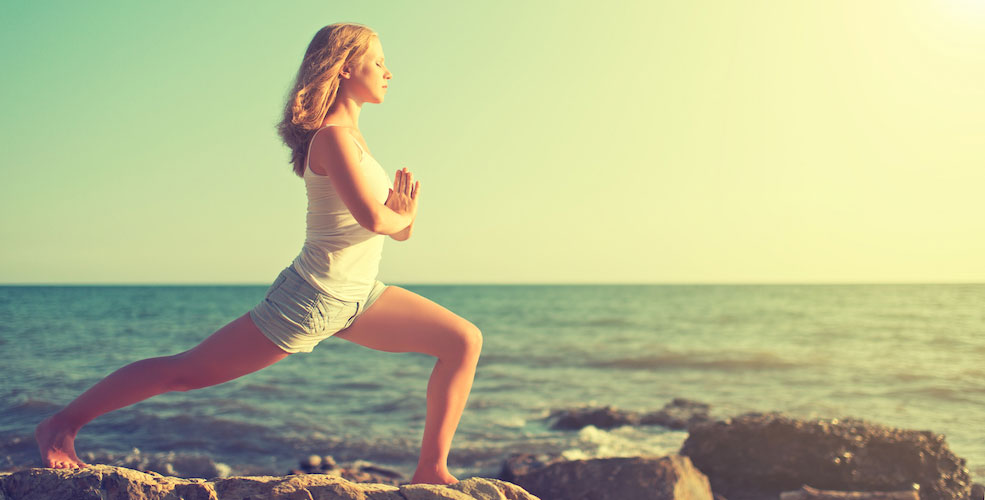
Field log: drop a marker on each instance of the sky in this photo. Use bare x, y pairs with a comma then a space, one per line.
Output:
555, 142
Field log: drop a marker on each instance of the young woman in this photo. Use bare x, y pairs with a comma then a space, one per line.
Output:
330, 288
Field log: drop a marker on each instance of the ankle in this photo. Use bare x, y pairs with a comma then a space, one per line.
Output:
65, 423
436, 468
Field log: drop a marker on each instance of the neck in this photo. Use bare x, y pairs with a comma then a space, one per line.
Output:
344, 111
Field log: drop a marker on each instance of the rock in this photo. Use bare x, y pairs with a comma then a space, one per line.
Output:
606, 417
167, 463
619, 478
380, 471
312, 462
808, 493
678, 414
977, 492
759, 455
486, 489
521, 464
106, 482
359, 471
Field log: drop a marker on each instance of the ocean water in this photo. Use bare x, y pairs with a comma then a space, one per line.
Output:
908, 356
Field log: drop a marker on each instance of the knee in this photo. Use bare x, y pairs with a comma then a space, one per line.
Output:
462, 341
471, 340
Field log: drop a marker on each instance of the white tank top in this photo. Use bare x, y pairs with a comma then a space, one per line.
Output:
340, 257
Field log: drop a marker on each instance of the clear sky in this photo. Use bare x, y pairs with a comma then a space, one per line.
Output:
555, 142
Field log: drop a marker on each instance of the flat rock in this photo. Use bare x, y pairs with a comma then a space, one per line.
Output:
106, 482
759, 455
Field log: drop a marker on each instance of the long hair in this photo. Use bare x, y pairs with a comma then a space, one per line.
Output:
317, 84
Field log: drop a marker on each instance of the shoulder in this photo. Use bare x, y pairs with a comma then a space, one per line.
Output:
334, 142
332, 146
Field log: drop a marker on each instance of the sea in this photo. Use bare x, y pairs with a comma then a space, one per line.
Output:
904, 355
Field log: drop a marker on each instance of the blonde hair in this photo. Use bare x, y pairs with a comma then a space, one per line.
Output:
317, 84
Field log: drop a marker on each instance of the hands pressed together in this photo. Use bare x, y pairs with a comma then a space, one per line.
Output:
403, 196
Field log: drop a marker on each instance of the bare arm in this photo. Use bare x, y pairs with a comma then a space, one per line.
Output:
333, 151
404, 234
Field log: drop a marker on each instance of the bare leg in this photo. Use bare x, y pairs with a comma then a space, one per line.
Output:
231, 352
402, 321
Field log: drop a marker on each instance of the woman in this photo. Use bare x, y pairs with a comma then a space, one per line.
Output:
331, 287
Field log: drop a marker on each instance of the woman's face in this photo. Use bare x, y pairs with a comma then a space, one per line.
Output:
368, 79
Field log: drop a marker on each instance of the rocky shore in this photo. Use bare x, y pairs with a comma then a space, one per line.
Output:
754, 456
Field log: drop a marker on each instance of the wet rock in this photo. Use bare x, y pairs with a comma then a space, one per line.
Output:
521, 464
760, 455
671, 477
106, 482
606, 417
678, 414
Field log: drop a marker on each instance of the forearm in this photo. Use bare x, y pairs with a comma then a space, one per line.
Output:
404, 233
389, 222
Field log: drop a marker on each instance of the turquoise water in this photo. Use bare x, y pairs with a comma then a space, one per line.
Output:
908, 356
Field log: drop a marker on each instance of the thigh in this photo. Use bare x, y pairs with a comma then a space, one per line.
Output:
232, 351
403, 321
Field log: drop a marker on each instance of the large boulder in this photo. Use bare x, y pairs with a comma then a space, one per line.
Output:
758, 455
619, 478
106, 482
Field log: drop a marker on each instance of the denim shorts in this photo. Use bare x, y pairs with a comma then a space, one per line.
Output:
296, 316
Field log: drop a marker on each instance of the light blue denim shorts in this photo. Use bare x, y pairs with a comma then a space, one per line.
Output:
296, 316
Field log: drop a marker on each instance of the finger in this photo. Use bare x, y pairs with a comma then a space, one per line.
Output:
401, 183
417, 190
410, 182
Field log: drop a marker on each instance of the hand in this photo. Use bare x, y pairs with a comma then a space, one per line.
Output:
402, 198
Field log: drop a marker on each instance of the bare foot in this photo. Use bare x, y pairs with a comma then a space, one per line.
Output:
433, 477
57, 445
